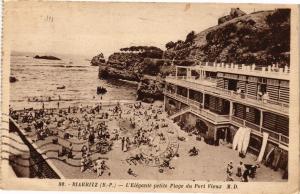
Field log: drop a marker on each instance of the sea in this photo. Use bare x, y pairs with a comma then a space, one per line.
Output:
71, 81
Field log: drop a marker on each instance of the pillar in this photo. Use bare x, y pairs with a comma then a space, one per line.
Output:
176, 72
188, 73
215, 133
230, 108
261, 119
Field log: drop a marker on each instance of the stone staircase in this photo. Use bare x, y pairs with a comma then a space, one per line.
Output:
180, 112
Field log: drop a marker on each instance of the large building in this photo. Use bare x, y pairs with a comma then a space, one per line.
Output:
214, 100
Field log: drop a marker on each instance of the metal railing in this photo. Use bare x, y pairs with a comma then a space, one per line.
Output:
41, 167
220, 92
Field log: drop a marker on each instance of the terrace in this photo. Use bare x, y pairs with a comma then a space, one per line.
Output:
194, 107
208, 86
271, 71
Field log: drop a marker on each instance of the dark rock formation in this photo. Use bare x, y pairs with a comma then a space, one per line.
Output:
46, 57
98, 60
12, 79
150, 88
234, 13
128, 64
101, 90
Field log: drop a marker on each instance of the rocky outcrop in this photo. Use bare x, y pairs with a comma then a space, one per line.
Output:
12, 79
46, 57
261, 37
129, 63
150, 89
98, 60
234, 13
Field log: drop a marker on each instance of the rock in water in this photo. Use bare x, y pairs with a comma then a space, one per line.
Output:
12, 79
61, 87
46, 57
101, 90
98, 60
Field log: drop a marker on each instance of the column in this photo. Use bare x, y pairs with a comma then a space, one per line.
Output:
188, 73
261, 119
176, 72
215, 133
230, 109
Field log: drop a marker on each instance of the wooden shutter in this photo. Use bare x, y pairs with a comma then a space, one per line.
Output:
220, 83
252, 88
273, 89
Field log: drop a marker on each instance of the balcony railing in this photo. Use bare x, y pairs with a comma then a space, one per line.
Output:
195, 108
270, 71
229, 94
215, 118
276, 137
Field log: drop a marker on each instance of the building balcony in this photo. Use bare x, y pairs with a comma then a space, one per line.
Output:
208, 86
258, 130
194, 107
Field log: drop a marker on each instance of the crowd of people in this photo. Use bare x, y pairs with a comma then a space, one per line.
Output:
138, 125
141, 128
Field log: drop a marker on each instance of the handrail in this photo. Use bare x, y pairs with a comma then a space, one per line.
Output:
194, 105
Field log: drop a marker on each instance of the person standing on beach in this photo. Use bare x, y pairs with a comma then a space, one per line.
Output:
57, 105
123, 142
240, 169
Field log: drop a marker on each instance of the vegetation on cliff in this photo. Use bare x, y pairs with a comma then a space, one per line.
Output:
262, 38
128, 64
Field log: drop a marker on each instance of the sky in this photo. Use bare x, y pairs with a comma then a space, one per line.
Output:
90, 28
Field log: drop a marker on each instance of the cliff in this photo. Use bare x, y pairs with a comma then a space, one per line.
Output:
129, 63
261, 37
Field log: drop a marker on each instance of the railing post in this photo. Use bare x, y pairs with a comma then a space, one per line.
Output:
279, 137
